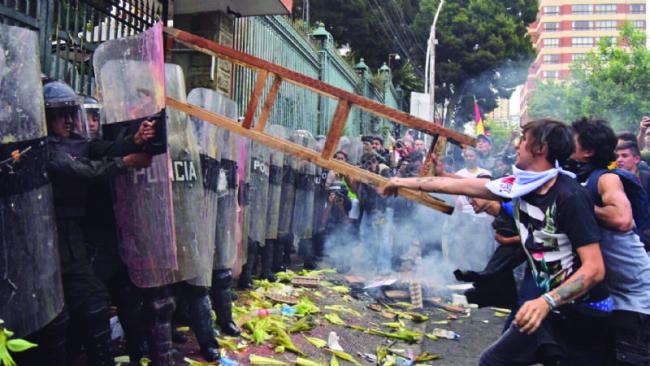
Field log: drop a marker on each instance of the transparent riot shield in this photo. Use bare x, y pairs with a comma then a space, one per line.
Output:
258, 188
194, 235
226, 149
320, 191
130, 74
356, 150
303, 211
30, 277
275, 184
288, 192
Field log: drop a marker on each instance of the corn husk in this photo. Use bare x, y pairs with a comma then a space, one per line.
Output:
304, 324
344, 356
334, 361
403, 335
426, 356
316, 342
341, 289
192, 362
335, 319
307, 362
283, 339
259, 360
305, 306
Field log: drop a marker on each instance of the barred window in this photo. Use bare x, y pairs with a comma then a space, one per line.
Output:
551, 74
582, 9
551, 59
577, 56
639, 24
605, 25
551, 10
551, 26
551, 42
637, 8
582, 41
582, 25
605, 9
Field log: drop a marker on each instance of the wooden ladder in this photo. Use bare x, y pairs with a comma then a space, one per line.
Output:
346, 101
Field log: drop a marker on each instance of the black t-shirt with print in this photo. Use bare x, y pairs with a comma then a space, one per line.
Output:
552, 226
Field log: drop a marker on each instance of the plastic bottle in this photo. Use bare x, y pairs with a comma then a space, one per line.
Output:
286, 310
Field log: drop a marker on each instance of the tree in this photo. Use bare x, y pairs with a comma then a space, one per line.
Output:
610, 82
483, 50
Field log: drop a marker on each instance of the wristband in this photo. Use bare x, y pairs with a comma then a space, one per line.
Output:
549, 300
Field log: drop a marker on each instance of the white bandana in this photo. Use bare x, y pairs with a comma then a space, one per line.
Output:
523, 182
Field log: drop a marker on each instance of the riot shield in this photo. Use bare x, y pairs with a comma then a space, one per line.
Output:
288, 193
30, 286
356, 150
275, 184
320, 191
226, 149
303, 211
194, 235
130, 76
258, 188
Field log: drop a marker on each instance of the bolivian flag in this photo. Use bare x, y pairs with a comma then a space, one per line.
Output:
480, 127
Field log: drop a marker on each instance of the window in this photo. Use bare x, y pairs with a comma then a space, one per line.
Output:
551, 42
582, 25
551, 26
582, 41
551, 74
637, 8
608, 40
551, 10
582, 9
605, 9
551, 59
605, 25
639, 24
577, 56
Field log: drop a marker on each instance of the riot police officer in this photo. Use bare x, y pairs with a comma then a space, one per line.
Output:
73, 162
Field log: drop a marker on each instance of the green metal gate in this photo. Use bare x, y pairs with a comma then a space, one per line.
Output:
70, 30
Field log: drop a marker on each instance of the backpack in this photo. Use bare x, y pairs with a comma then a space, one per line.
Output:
635, 193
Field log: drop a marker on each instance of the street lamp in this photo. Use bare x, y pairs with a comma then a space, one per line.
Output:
396, 56
430, 85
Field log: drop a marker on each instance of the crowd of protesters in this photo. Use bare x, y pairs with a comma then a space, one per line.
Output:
575, 209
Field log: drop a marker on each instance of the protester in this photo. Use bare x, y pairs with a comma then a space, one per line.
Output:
377, 144
484, 148
626, 262
628, 157
559, 233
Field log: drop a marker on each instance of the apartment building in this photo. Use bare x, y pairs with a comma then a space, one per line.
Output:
566, 30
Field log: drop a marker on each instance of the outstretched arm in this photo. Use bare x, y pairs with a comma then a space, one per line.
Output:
473, 187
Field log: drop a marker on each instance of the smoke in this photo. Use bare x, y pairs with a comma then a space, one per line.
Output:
411, 241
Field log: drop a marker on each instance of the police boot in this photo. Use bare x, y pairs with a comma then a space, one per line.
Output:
288, 249
278, 256
222, 302
129, 311
307, 249
201, 321
267, 261
246, 277
160, 308
97, 334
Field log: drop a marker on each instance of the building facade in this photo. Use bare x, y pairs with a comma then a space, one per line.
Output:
566, 30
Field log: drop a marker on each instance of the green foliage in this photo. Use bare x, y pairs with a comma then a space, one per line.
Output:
483, 50
483, 45
9, 345
610, 82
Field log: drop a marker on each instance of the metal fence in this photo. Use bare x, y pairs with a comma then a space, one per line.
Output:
70, 30
274, 39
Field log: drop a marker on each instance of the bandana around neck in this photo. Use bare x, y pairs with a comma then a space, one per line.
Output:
523, 182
